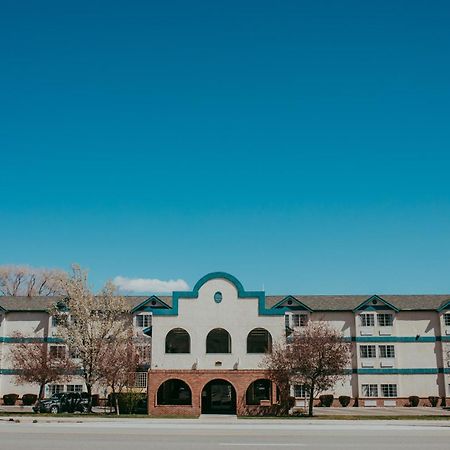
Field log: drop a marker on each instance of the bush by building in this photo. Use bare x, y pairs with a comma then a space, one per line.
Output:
326, 400
344, 400
29, 399
413, 400
10, 399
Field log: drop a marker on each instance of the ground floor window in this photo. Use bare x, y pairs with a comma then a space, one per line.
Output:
389, 390
74, 388
55, 389
369, 390
259, 390
300, 391
140, 380
174, 392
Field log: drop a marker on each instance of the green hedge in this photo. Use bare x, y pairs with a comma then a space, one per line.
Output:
129, 402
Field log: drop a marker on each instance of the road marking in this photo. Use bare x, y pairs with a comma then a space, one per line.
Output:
261, 444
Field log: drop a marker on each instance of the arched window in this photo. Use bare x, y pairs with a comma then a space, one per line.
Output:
218, 341
178, 341
257, 391
259, 340
174, 392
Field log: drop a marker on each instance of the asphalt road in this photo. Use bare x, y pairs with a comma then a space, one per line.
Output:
223, 435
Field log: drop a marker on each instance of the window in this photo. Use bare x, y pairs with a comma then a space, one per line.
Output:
144, 320
368, 351
74, 353
389, 390
218, 341
55, 389
367, 320
386, 351
300, 390
174, 392
55, 321
259, 340
447, 319
57, 351
74, 388
286, 321
369, 390
385, 320
140, 380
299, 320
257, 391
178, 341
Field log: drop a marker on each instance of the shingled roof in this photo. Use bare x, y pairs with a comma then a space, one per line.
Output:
314, 302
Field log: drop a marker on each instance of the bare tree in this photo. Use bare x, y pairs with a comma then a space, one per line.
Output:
30, 281
35, 364
315, 357
89, 323
117, 366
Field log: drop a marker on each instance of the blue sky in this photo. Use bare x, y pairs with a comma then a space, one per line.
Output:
303, 147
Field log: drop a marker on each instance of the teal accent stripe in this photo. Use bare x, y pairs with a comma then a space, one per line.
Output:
413, 371
396, 338
29, 340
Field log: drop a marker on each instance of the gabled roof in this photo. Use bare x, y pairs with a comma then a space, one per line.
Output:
375, 301
151, 303
292, 303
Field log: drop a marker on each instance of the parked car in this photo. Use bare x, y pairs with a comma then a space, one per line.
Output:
63, 402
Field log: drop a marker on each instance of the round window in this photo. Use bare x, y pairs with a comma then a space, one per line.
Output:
218, 297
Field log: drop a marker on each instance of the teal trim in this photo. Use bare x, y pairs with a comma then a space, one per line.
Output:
415, 371
444, 306
377, 298
396, 338
298, 304
144, 306
28, 340
242, 293
445, 338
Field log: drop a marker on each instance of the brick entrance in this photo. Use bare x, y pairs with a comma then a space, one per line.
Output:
197, 380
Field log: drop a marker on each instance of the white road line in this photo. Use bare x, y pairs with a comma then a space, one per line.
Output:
261, 444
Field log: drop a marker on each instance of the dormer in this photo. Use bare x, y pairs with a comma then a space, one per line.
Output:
375, 316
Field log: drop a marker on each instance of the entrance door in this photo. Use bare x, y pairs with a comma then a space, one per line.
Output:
218, 397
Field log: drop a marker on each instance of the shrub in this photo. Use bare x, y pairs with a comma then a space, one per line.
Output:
10, 399
413, 400
433, 400
95, 400
130, 402
326, 400
344, 400
443, 402
29, 399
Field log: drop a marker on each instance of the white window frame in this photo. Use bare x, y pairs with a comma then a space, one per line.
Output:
58, 351
300, 388
74, 388
368, 349
386, 351
369, 390
54, 389
146, 320
382, 319
389, 390
140, 380
367, 320
447, 319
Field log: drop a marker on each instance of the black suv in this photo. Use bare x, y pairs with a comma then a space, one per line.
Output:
63, 402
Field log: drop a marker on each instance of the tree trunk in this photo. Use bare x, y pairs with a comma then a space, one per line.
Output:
89, 392
311, 401
41, 391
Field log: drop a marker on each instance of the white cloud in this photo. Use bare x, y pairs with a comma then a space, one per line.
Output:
151, 285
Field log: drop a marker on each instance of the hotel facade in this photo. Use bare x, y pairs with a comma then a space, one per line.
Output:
208, 344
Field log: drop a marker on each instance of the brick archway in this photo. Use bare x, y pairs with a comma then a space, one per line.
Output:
197, 380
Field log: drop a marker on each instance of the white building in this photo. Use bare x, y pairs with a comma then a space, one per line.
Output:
208, 344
